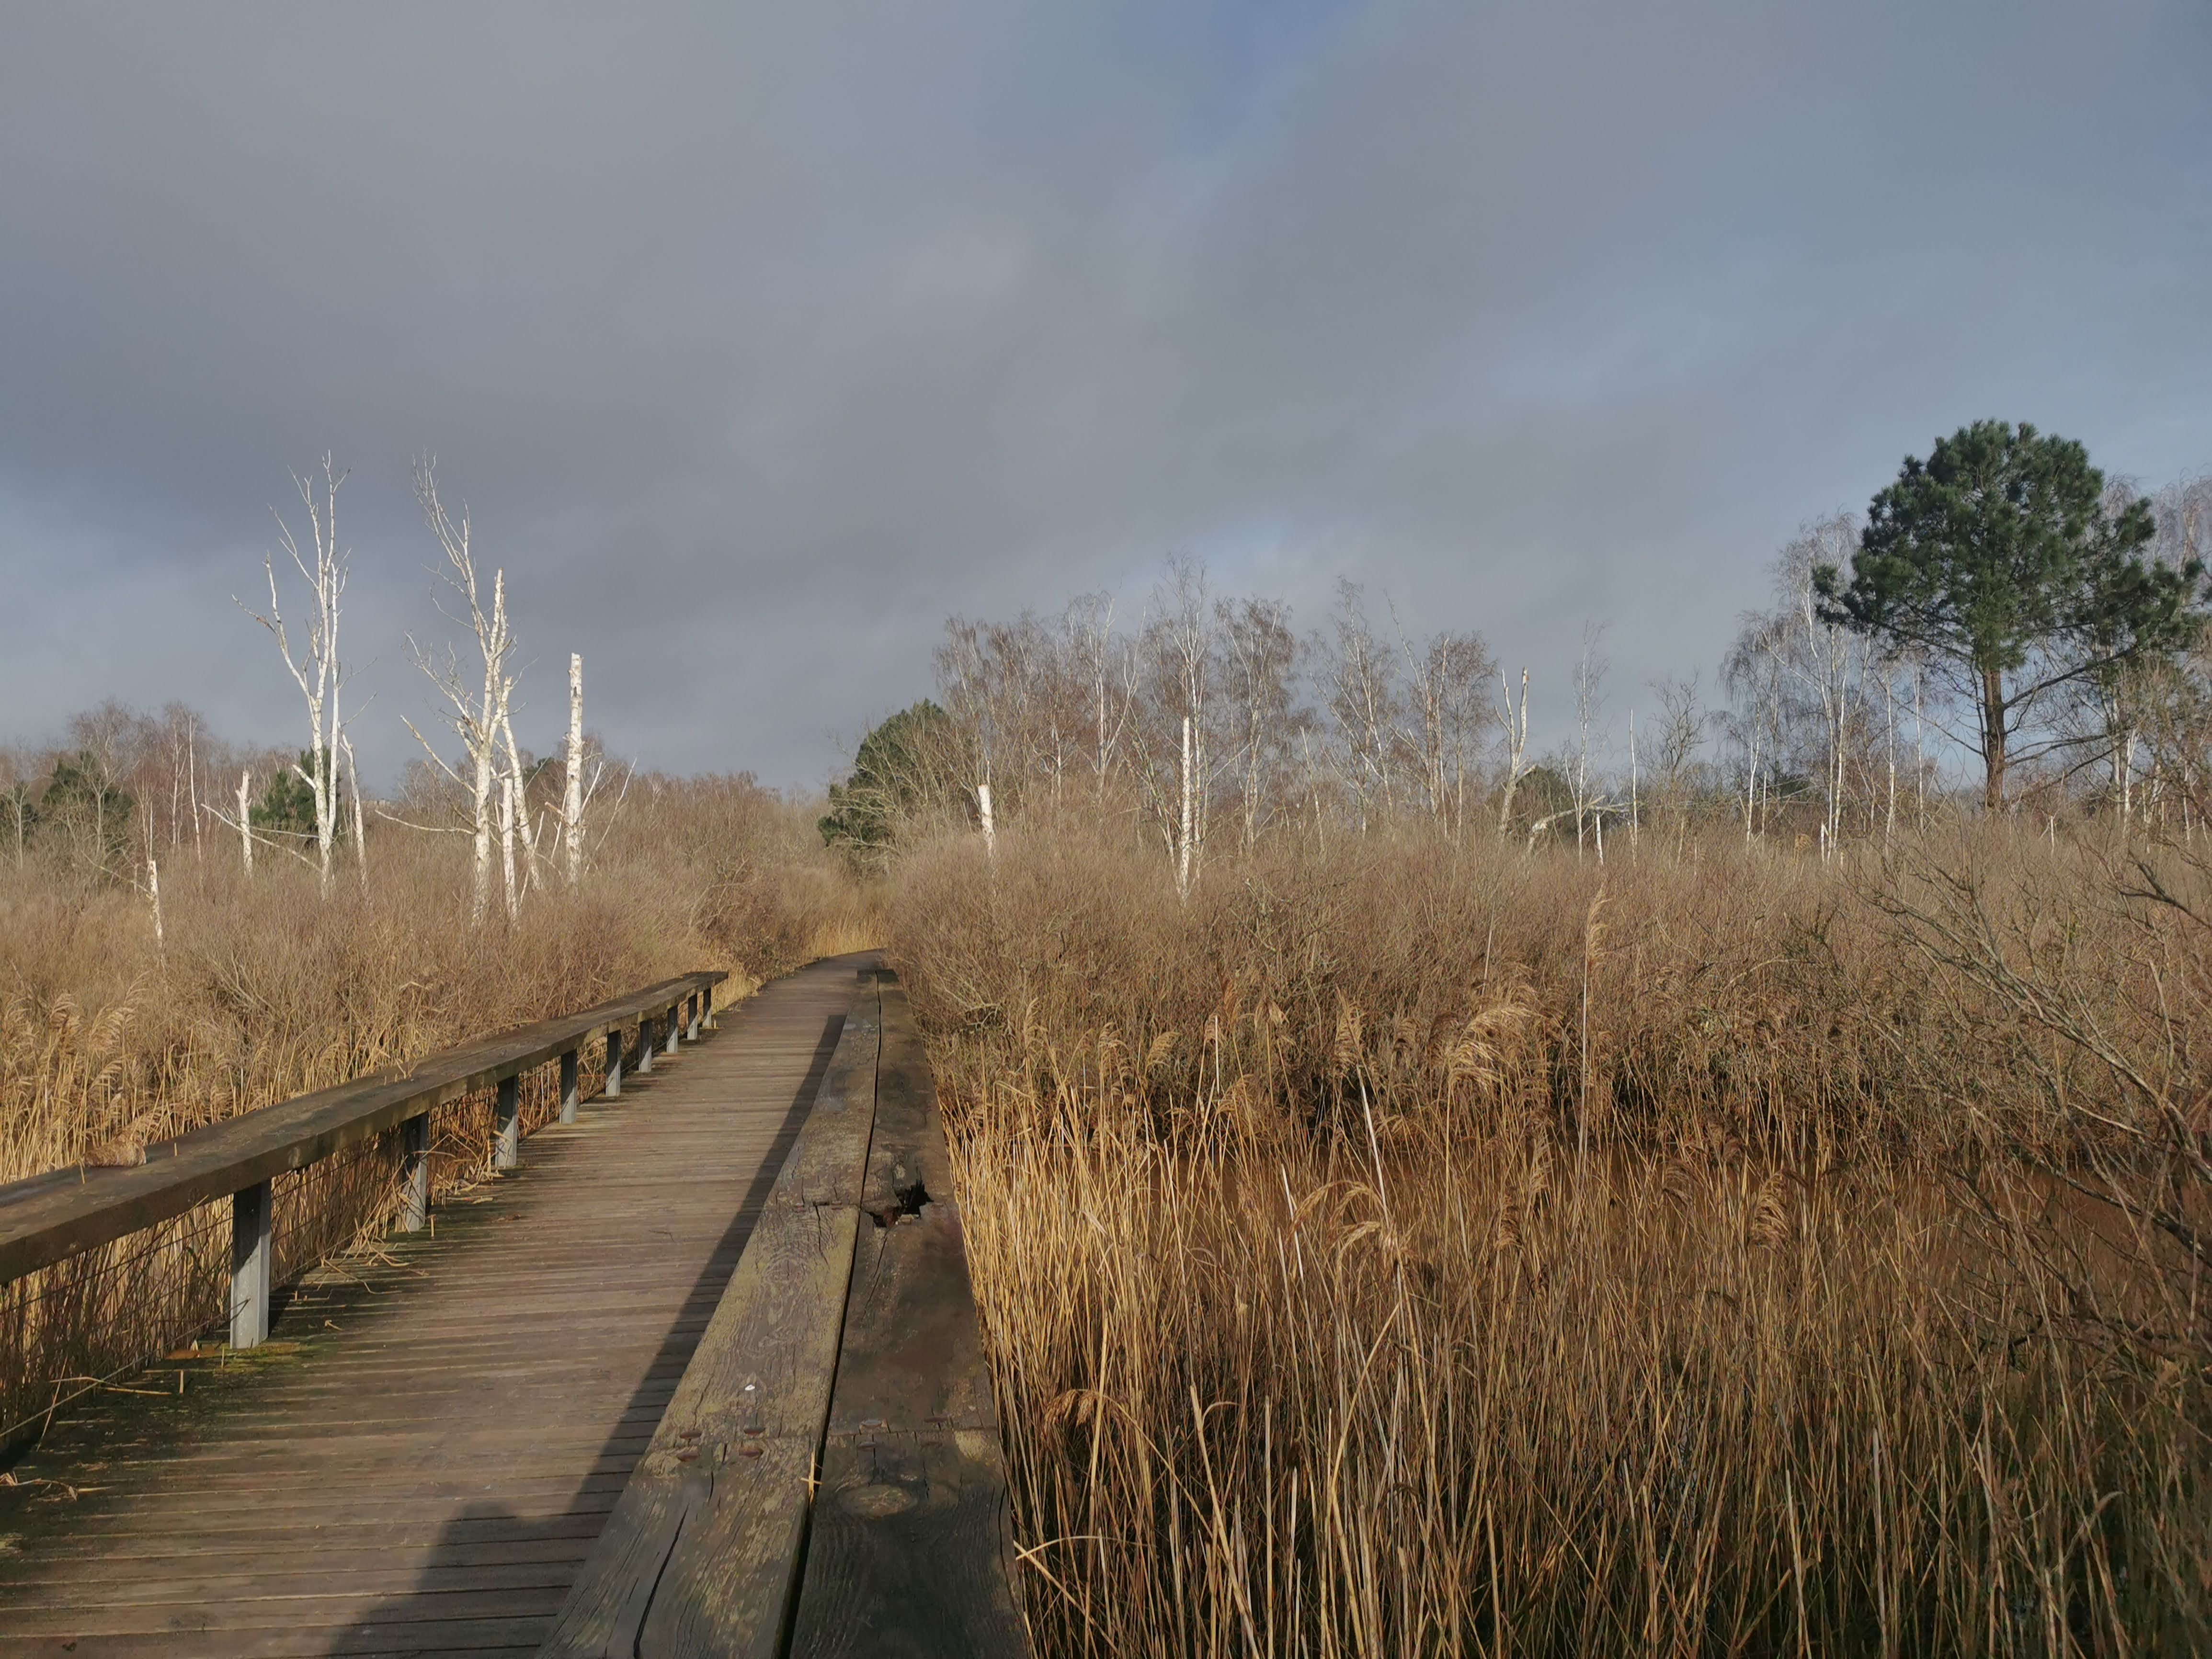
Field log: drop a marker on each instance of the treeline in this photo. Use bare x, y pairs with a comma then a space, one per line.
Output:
123, 787
123, 784
2052, 628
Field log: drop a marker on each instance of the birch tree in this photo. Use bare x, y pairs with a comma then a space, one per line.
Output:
572, 789
1361, 693
968, 678
1444, 681
1260, 656
1589, 699
1105, 666
1181, 640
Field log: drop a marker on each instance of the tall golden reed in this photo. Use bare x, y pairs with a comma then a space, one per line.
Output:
1391, 1251
262, 990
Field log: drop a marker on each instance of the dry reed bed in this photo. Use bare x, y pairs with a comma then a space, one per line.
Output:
1408, 1249
263, 989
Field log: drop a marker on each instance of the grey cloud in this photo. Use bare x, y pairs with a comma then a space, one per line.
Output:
760, 338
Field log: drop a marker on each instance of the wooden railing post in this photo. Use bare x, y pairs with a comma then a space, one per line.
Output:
646, 1042
614, 1062
669, 1030
568, 1087
415, 1173
707, 1007
691, 1018
253, 1266
507, 1151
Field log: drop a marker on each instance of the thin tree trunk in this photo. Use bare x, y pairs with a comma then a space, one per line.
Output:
245, 819
572, 802
507, 805
1889, 704
360, 816
1635, 815
1993, 740
1190, 793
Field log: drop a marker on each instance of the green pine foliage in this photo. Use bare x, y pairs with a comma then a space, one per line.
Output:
2001, 558
895, 775
287, 806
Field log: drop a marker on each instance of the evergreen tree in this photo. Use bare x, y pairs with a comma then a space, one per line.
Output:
287, 807
899, 770
1999, 557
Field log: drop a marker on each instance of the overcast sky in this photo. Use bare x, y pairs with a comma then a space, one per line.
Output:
760, 338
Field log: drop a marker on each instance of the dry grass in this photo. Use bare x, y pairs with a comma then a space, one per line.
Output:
262, 991
1418, 1249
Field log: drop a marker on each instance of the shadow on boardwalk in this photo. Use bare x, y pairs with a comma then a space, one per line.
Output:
488, 1552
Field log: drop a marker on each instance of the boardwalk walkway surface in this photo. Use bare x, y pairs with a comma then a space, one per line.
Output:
422, 1458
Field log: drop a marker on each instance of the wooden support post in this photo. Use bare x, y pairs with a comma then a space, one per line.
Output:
508, 1151
707, 1007
670, 1031
568, 1087
691, 1018
614, 1062
415, 1173
253, 1264
646, 1042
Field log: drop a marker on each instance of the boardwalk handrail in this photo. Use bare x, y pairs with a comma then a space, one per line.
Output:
47, 1218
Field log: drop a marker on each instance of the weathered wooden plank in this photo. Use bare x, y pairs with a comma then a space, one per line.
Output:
483, 1405
362, 1640
302, 1578
909, 1552
289, 1613
701, 1555
905, 1552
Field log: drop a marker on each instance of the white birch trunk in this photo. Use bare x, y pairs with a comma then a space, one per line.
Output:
245, 819
1189, 814
572, 801
484, 757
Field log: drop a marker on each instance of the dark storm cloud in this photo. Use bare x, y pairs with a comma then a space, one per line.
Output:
759, 340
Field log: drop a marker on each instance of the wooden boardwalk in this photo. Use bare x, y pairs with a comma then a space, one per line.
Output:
423, 1455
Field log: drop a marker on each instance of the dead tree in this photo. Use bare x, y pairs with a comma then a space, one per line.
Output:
478, 717
572, 793
1513, 724
317, 670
